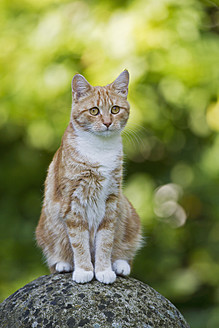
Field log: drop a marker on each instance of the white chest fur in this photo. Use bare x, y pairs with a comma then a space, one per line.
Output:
106, 153
100, 150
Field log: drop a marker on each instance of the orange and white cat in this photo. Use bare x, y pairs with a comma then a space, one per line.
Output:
87, 225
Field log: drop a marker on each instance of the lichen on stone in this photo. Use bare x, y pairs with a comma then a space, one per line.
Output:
57, 301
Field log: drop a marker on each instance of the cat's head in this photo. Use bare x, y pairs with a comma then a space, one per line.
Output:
103, 110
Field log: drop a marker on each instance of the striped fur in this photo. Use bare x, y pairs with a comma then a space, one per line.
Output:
87, 225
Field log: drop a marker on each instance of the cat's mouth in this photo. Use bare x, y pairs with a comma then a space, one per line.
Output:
107, 132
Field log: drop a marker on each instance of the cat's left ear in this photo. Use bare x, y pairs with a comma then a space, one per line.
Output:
120, 85
80, 86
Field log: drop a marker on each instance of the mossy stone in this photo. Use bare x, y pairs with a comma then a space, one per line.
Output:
56, 301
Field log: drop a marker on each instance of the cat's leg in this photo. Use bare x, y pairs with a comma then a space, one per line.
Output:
52, 236
104, 244
127, 240
79, 238
62, 255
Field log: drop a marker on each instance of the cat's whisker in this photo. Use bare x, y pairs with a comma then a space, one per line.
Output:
132, 135
128, 137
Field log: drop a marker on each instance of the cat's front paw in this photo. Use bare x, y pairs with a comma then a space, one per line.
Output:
106, 276
82, 276
121, 267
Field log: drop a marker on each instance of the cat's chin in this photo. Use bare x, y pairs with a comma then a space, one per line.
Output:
107, 133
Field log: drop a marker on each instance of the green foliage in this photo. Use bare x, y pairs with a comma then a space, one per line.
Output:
171, 49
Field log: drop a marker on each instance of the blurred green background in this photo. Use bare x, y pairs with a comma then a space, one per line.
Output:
171, 49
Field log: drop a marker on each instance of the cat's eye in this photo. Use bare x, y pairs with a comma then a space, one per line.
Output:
94, 111
115, 109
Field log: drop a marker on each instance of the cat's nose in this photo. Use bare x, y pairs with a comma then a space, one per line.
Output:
107, 124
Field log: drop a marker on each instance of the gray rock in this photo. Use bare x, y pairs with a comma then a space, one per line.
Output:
56, 301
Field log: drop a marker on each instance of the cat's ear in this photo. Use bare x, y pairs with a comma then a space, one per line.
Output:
120, 85
80, 86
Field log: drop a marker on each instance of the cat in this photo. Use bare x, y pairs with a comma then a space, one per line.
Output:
87, 225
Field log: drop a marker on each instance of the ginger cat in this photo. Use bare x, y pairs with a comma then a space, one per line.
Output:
87, 225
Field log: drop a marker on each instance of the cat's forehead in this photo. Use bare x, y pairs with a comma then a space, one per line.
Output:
103, 96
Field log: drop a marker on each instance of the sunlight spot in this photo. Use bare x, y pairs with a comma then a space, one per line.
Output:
187, 27
166, 205
47, 30
185, 281
210, 159
56, 77
139, 189
168, 192
40, 135
198, 123
182, 174
212, 116
172, 89
166, 209
118, 38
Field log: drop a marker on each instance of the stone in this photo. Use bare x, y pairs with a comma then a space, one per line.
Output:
57, 301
